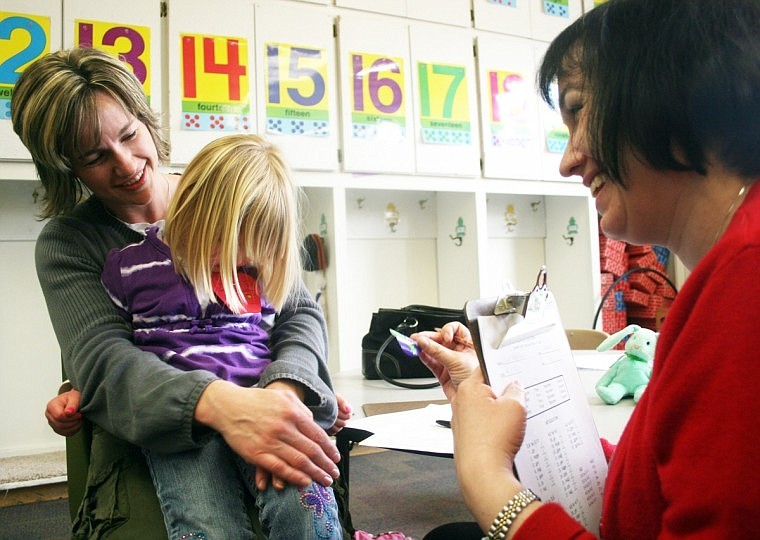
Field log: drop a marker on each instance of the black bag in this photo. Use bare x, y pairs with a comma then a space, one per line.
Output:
382, 357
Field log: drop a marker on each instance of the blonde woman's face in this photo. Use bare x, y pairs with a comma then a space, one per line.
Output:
121, 168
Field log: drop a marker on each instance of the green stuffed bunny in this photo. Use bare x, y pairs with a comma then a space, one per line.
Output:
630, 373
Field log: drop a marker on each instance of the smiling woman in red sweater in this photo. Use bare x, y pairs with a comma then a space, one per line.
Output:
662, 100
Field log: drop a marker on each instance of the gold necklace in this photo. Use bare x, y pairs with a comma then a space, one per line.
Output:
729, 214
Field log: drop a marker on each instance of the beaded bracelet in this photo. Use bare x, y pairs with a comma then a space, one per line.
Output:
504, 519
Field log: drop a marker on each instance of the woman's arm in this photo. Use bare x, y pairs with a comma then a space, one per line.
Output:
298, 342
488, 431
120, 384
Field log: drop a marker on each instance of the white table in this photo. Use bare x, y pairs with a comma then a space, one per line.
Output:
610, 419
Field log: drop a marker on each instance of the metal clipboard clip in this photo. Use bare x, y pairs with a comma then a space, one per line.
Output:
500, 314
517, 308
537, 297
519, 302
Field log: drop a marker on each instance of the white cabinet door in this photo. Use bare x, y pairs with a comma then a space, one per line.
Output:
509, 107
549, 17
376, 95
502, 16
297, 93
446, 109
211, 74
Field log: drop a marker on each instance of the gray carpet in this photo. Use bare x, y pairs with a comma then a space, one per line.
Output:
404, 492
389, 491
38, 521
22, 469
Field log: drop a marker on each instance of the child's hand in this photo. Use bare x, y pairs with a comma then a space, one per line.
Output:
62, 413
344, 415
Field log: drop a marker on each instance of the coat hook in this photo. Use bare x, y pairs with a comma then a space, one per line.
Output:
460, 231
572, 230
360, 202
392, 216
422, 203
510, 218
534, 205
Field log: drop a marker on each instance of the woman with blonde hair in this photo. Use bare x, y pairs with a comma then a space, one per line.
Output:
98, 148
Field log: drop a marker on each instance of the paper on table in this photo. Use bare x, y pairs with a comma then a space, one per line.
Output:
413, 430
561, 458
599, 361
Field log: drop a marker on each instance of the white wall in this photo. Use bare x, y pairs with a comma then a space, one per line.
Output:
30, 365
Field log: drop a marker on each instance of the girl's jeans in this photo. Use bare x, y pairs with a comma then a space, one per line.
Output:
201, 495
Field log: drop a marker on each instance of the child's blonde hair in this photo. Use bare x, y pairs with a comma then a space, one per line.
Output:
236, 204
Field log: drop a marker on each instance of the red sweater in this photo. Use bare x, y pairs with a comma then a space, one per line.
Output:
688, 462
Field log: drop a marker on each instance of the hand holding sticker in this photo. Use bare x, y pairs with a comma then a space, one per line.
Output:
408, 346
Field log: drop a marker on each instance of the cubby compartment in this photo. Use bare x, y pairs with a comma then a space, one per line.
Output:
527, 231
390, 259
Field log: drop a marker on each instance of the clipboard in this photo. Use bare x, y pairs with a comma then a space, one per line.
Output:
520, 336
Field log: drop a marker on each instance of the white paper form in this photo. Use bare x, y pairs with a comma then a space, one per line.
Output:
561, 458
414, 430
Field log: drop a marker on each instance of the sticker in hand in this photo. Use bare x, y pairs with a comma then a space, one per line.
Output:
408, 346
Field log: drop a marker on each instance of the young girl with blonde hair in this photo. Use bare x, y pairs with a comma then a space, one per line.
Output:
202, 293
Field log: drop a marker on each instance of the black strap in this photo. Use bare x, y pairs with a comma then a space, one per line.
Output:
393, 381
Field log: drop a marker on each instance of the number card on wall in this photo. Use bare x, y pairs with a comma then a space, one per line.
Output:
446, 110
509, 112
377, 100
376, 104
215, 82
129, 42
510, 123
23, 39
297, 93
211, 74
133, 35
444, 104
26, 34
298, 108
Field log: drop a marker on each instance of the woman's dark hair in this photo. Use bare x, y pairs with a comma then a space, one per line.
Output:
675, 81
